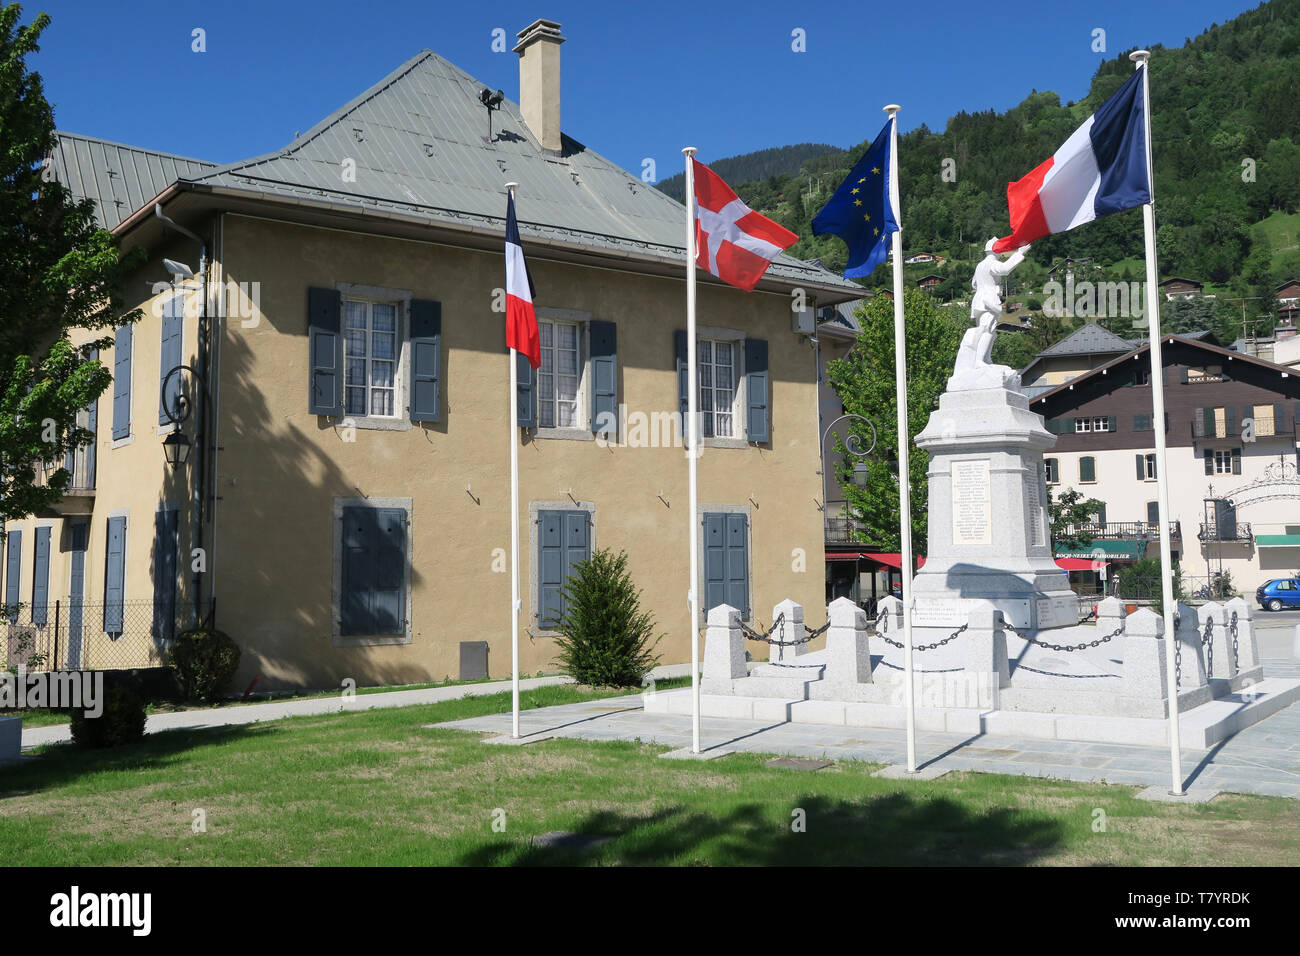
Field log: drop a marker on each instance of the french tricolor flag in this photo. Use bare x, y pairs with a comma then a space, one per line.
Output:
521, 320
1099, 170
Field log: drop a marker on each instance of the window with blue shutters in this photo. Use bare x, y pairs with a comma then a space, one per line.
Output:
563, 539
122, 345
173, 334
115, 574
165, 573
41, 577
373, 579
13, 572
735, 393
726, 561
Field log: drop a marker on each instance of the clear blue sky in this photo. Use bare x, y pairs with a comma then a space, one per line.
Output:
639, 80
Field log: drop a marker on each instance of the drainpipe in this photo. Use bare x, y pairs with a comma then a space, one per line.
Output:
196, 504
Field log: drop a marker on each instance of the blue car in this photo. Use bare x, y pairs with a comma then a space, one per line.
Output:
1279, 593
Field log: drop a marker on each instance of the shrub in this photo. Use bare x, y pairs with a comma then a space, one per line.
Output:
204, 661
606, 640
122, 721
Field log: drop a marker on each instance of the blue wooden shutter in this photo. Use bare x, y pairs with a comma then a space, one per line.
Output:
738, 563
373, 599
1153, 513
715, 561
41, 577
13, 572
683, 377
551, 568
1141, 468
426, 359
757, 391
1209, 462
526, 393
604, 378
165, 546
173, 328
1087, 469
325, 347
359, 532
115, 575
122, 382
388, 595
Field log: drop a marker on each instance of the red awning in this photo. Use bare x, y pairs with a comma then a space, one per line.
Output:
891, 558
1074, 564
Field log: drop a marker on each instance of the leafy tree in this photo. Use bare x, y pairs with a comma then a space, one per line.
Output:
57, 271
1069, 511
864, 381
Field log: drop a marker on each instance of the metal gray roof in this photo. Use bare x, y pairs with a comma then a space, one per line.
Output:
120, 179
1089, 339
419, 139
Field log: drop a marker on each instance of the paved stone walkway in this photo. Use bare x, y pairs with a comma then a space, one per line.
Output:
1263, 759
277, 709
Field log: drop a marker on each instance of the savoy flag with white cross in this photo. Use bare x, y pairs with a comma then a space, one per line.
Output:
732, 241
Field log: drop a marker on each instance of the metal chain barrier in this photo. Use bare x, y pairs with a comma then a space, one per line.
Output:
1232, 629
1063, 648
753, 635
1178, 660
820, 630
1034, 670
925, 647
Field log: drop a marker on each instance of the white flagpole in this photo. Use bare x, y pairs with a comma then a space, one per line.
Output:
511, 423
908, 564
692, 441
1140, 59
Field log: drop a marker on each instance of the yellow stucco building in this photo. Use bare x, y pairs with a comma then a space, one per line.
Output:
345, 497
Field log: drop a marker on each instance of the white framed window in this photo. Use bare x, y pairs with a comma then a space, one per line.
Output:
1051, 470
559, 379
1223, 461
1082, 425
370, 358
719, 396
1149, 467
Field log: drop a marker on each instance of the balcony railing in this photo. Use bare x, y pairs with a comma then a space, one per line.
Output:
839, 529
1124, 530
1242, 533
1262, 426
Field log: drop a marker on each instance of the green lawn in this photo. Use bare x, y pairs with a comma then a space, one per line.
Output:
376, 787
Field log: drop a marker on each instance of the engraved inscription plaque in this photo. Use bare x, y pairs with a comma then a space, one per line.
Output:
971, 502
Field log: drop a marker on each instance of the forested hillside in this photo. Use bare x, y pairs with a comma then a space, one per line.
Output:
1226, 115
783, 161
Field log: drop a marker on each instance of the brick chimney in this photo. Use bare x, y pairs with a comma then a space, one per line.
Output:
539, 80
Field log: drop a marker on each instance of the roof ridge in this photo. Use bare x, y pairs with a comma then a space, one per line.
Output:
64, 134
332, 119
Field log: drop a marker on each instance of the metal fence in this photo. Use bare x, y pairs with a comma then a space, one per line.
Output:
81, 635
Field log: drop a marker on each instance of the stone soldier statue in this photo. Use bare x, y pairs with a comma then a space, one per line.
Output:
974, 367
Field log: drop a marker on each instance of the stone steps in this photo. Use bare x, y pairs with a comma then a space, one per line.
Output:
1200, 728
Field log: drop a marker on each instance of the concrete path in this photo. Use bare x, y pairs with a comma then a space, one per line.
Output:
274, 710
1263, 759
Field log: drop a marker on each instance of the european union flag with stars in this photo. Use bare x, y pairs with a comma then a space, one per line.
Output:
860, 212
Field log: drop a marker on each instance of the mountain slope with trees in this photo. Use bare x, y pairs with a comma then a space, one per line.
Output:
1226, 132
